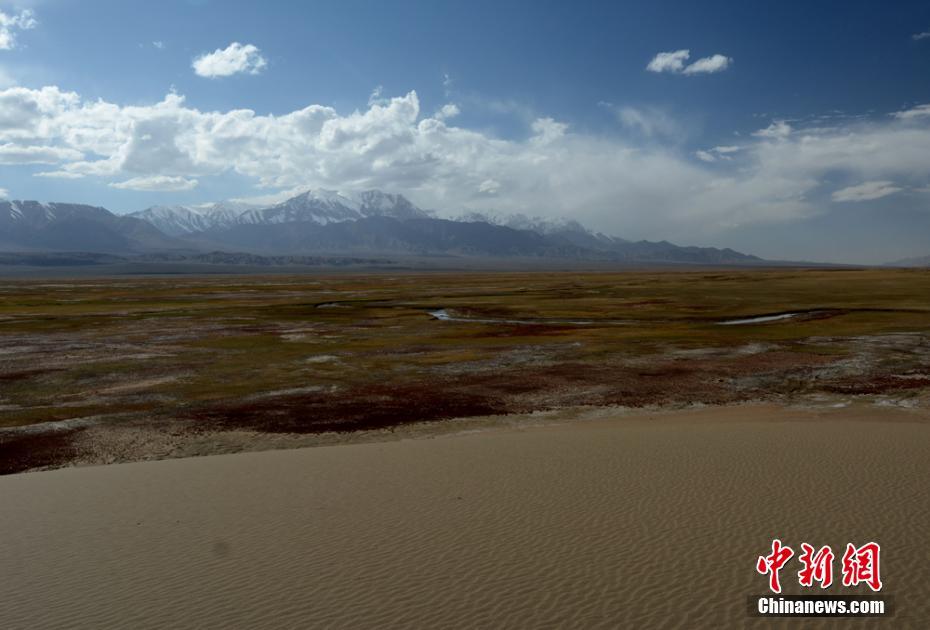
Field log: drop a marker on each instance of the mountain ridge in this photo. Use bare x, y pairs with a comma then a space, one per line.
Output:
31, 225
917, 261
318, 222
315, 205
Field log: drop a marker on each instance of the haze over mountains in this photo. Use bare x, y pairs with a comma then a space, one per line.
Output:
34, 226
322, 222
920, 261
320, 207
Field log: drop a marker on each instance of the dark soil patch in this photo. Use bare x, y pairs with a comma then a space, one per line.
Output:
529, 329
362, 408
21, 452
23, 375
878, 384
523, 390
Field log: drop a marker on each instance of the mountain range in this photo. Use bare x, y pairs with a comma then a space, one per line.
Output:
319, 207
323, 222
34, 226
920, 261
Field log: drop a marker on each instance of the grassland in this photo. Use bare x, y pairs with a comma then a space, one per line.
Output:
120, 369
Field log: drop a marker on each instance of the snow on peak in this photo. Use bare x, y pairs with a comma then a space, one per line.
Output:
329, 206
167, 211
377, 203
228, 206
38, 214
175, 220
519, 221
322, 198
323, 206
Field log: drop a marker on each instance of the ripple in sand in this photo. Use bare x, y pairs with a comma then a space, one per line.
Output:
625, 525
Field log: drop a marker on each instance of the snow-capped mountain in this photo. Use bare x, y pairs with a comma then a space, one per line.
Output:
225, 212
374, 203
181, 220
325, 222
314, 206
33, 214
519, 221
30, 225
175, 220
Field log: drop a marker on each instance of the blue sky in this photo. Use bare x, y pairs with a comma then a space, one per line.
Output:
800, 134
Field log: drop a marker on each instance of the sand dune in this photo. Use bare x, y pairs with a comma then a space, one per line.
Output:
643, 521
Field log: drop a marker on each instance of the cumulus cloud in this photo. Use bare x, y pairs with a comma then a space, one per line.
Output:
447, 111
4, 193
156, 183
777, 129
669, 61
11, 23
919, 36
234, 59
614, 184
674, 63
866, 191
709, 65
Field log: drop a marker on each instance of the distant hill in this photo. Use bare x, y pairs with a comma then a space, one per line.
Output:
86, 259
326, 223
30, 225
314, 206
921, 261
385, 235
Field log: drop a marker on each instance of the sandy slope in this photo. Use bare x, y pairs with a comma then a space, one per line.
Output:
646, 521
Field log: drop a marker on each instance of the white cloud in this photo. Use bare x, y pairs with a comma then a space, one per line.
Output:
709, 65
647, 121
447, 111
669, 61
919, 36
489, 187
614, 184
919, 111
59, 175
674, 63
717, 153
376, 96
866, 191
777, 129
234, 59
160, 45
31, 154
4, 193
10, 23
156, 183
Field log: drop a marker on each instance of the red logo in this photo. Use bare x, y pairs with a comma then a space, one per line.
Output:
773, 563
860, 565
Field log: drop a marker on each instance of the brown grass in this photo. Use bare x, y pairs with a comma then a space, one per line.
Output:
210, 353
